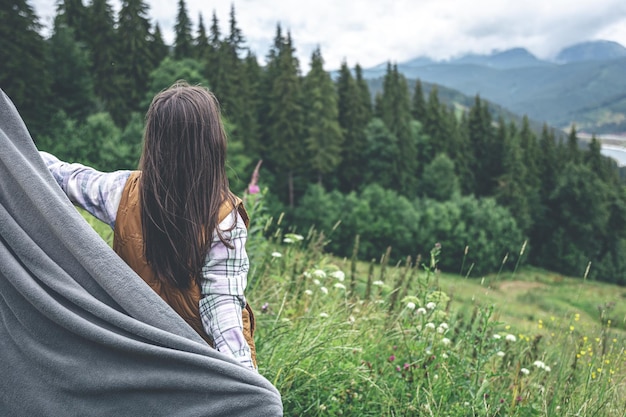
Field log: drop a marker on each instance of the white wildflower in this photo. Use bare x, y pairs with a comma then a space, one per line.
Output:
306, 274
421, 310
288, 240
466, 404
339, 275
431, 306
410, 305
351, 319
444, 355
510, 338
446, 341
378, 283
319, 273
547, 368
277, 255
441, 330
539, 364
324, 290
316, 282
308, 292
500, 354
340, 286
430, 325
323, 315
497, 336
444, 326
524, 371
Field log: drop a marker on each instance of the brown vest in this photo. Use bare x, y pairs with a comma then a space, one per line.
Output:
128, 244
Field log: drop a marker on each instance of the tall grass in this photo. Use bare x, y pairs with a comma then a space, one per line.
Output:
341, 338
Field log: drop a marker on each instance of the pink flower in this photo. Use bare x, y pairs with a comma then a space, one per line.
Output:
253, 189
392, 358
406, 366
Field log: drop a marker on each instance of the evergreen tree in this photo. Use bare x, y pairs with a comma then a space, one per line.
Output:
248, 118
381, 154
350, 171
160, 50
75, 15
102, 42
487, 149
183, 43
434, 126
283, 131
512, 190
323, 136
135, 56
201, 42
365, 97
572, 151
418, 103
214, 65
72, 85
396, 114
24, 74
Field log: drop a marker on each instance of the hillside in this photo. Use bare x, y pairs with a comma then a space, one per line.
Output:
587, 87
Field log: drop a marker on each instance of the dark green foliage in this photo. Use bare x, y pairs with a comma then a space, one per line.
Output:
135, 56
283, 119
350, 172
322, 134
201, 41
171, 71
102, 42
383, 218
418, 103
183, 42
69, 64
24, 75
396, 115
487, 149
381, 153
439, 180
159, 49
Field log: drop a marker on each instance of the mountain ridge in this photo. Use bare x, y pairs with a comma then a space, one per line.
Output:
585, 89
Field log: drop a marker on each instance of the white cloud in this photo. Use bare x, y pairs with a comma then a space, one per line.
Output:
369, 32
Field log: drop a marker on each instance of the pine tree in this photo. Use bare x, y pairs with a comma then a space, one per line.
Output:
572, 151
350, 171
283, 134
135, 56
183, 43
75, 15
323, 136
365, 97
512, 190
102, 42
396, 114
418, 103
201, 42
486, 148
24, 74
160, 50
214, 65
72, 85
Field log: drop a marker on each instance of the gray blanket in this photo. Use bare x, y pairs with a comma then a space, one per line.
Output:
80, 333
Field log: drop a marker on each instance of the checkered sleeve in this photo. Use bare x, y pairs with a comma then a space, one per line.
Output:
97, 192
224, 279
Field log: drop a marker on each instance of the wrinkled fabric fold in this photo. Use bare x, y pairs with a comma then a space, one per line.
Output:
80, 333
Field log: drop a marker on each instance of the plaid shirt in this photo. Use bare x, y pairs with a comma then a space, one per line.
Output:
224, 274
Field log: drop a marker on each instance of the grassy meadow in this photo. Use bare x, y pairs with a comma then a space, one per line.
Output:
343, 337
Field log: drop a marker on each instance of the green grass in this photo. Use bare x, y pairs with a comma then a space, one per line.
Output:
342, 337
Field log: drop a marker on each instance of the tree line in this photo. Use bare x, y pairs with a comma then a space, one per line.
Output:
399, 169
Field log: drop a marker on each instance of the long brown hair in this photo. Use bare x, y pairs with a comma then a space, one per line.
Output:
183, 181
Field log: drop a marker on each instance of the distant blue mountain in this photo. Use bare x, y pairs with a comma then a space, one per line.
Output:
511, 58
587, 87
591, 51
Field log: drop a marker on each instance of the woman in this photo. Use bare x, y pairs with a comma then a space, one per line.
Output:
175, 221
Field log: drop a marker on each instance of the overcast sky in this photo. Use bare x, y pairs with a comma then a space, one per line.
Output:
370, 32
